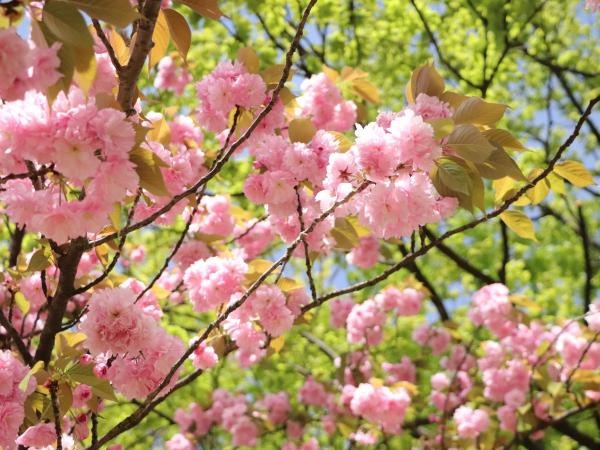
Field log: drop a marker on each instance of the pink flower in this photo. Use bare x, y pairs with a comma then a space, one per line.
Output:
179, 442
430, 107
381, 406
340, 309
365, 323
170, 77
277, 406
268, 302
41, 435
81, 394
245, 432
211, 282
471, 423
312, 393
11, 417
414, 140
376, 152
402, 371
593, 316
366, 254
204, 357
594, 5
115, 325
492, 308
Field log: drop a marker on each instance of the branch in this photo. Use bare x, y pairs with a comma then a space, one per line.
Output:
486, 217
109, 49
129, 74
16, 338
505, 252
587, 260
311, 281
435, 297
459, 260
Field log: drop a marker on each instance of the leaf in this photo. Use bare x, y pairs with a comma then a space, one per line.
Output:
160, 132
499, 165
345, 235
557, 184
160, 38
475, 110
469, 143
453, 99
453, 175
537, 193
40, 260
524, 301
85, 67
65, 398
66, 23
344, 143
68, 340
503, 138
21, 302
84, 374
35, 369
441, 127
116, 12
366, 90
575, 173
332, 74
301, 130
148, 169
248, 57
272, 74
289, 285
426, 80
206, 8
120, 48
179, 30
519, 223
277, 343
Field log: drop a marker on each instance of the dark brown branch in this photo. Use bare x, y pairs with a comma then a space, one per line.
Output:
110, 50
15, 245
326, 349
129, 74
67, 264
311, 281
587, 259
56, 414
16, 338
459, 260
505, 252
435, 297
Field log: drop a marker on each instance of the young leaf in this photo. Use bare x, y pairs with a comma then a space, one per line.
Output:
575, 173
148, 169
426, 80
503, 138
474, 110
301, 130
160, 38
21, 302
454, 175
116, 12
469, 143
519, 223
499, 165
179, 30
66, 23
206, 8
248, 57
365, 89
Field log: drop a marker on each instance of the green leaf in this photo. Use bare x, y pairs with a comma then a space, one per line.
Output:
21, 302
148, 166
469, 143
40, 260
85, 374
500, 165
35, 369
345, 235
206, 8
575, 173
66, 23
503, 138
519, 223
116, 12
475, 110
539, 192
441, 127
454, 175
301, 130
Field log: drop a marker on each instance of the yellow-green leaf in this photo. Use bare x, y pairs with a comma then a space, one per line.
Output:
66, 23
499, 165
519, 223
116, 12
289, 285
35, 369
503, 138
475, 110
575, 173
160, 38
453, 175
179, 31
40, 260
301, 130
148, 169
206, 8
248, 57
441, 127
365, 89
537, 193
469, 143
21, 302
344, 234
277, 343
85, 67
